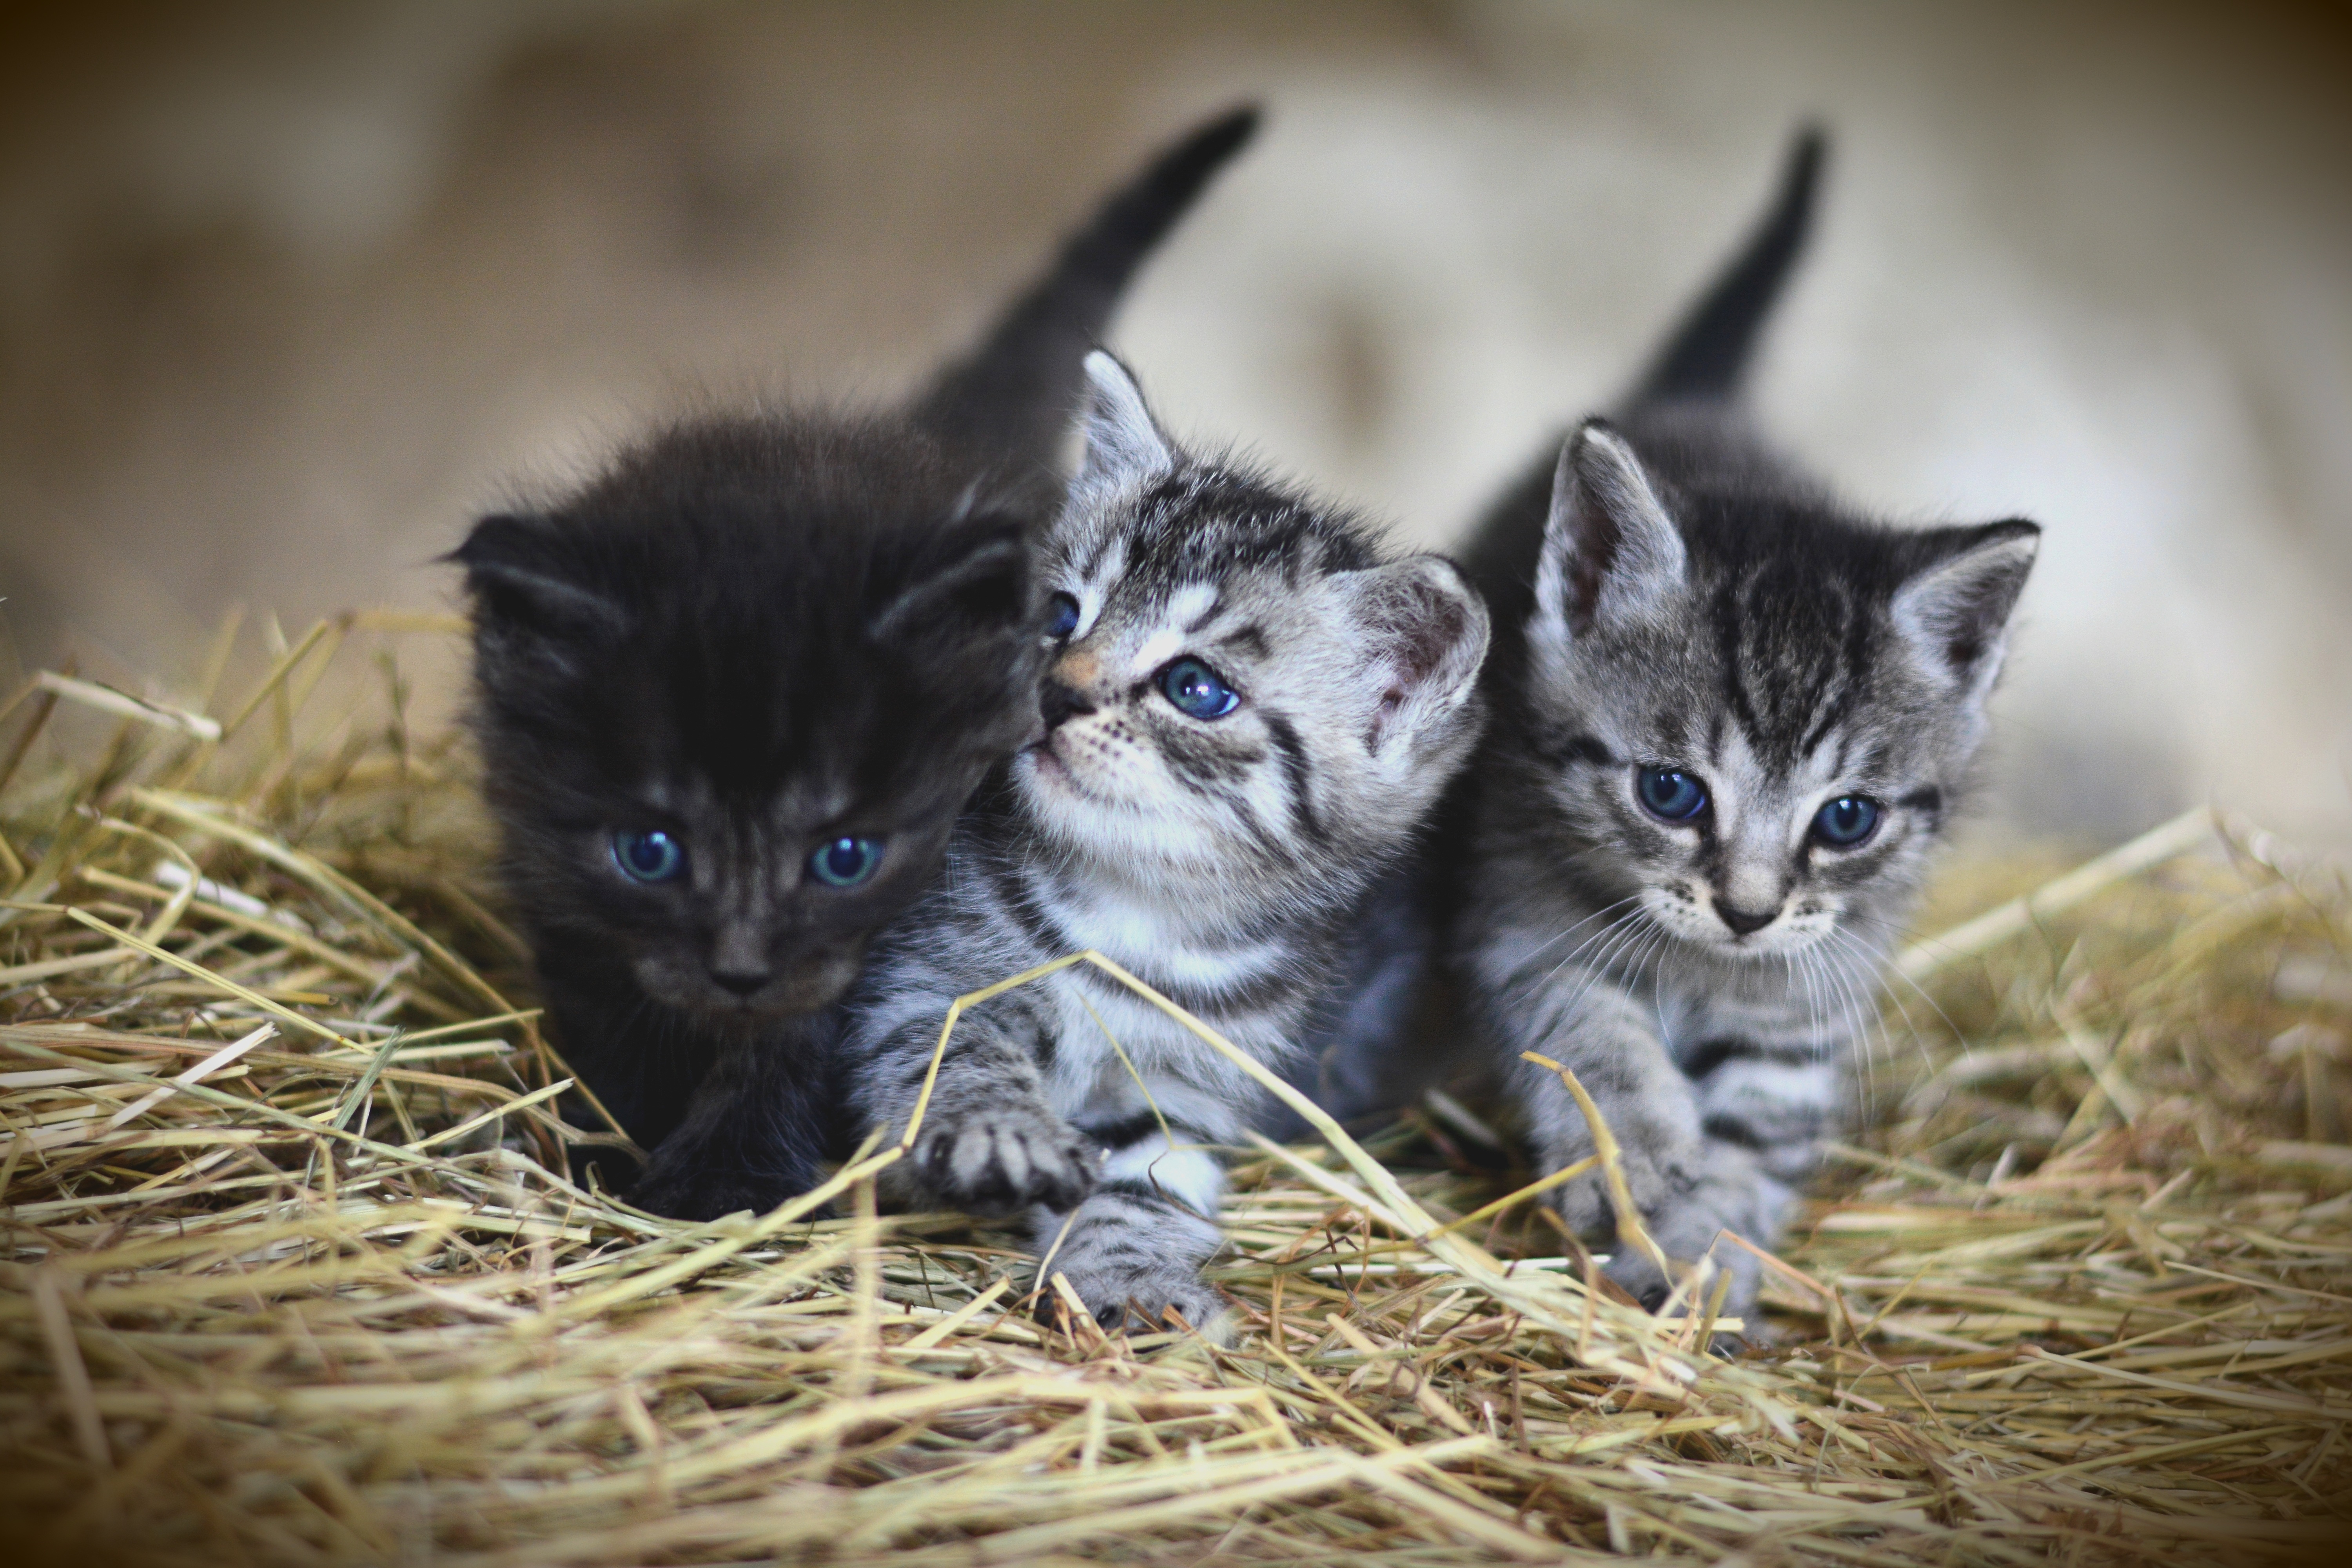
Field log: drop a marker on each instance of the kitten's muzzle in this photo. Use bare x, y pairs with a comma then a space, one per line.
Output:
1057, 704
1744, 922
741, 981
740, 995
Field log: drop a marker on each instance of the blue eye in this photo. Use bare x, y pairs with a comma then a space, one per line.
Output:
1670, 793
1061, 617
1197, 690
845, 862
647, 855
1845, 821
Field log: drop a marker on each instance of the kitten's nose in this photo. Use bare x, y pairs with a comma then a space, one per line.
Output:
743, 982
1057, 704
1742, 922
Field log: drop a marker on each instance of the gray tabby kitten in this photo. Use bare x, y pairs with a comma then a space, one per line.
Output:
1731, 718
1248, 712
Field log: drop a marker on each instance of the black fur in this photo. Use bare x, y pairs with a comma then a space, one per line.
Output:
755, 636
1017, 393
1708, 354
758, 635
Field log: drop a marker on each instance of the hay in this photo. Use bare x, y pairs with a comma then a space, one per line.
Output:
297, 1273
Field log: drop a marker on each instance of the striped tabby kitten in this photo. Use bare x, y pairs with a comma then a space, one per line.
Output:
1249, 711
1731, 718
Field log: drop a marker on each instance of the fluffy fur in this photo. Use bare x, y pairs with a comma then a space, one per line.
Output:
749, 639
1674, 600
1216, 853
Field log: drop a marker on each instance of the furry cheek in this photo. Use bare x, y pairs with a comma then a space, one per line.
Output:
1094, 759
1681, 908
1794, 932
669, 978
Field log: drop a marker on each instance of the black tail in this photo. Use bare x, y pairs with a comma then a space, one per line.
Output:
1012, 397
1707, 355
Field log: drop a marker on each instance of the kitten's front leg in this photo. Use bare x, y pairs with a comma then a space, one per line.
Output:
1136, 1246
643, 1075
1689, 1185
751, 1137
1718, 1188
989, 1144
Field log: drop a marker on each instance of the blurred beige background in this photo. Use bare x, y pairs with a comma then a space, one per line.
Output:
288, 292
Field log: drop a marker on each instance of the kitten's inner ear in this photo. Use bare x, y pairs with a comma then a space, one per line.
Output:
985, 586
516, 571
1609, 549
1953, 613
1123, 444
1427, 630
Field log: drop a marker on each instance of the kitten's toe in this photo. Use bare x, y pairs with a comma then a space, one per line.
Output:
1151, 1299
1006, 1158
1629, 1268
1583, 1206
1632, 1269
1202, 1306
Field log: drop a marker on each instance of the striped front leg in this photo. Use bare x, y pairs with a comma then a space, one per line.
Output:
1776, 1099
1136, 1245
1690, 1183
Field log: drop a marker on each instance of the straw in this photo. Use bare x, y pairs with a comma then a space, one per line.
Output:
297, 1271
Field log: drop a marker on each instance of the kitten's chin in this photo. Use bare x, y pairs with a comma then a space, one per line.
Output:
1038, 762
1044, 773
1077, 817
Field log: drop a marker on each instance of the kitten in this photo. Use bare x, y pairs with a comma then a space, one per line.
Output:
732, 694
1732, 718
1249, 709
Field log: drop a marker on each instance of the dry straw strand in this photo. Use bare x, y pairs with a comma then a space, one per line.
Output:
297, 1271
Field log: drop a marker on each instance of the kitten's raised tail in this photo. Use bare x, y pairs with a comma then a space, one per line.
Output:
1014, 395
1708, 356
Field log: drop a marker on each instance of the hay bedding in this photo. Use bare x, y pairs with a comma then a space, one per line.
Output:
295, 1274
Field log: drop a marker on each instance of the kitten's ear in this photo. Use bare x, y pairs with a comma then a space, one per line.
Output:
522, 579
1954, 611
1123, 443
1609, 548
1426, 628
979, 582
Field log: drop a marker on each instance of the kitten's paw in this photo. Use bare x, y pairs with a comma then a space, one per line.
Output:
707, 1195
1135, 1260
998, 1159
1632, 1269
1141, 1296
1657, 1176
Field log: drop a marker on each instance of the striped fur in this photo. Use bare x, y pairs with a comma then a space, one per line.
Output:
1671, 597
1218, 858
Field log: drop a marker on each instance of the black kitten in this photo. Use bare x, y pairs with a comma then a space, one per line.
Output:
732, 694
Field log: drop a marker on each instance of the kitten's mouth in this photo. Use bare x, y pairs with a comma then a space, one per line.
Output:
1047, 763
815, 982
798, 988
1778, 940
1048, 769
